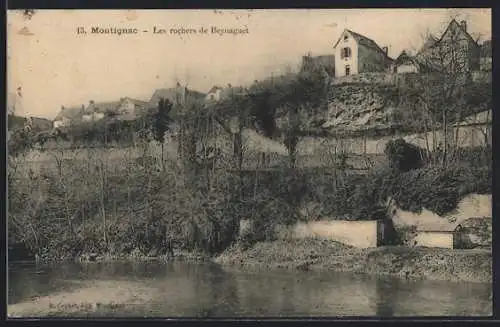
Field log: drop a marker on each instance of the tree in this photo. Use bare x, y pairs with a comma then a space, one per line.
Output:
441, 92
403, 156
161, 125
305, 95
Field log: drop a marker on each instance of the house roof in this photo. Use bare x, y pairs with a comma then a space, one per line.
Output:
404, 58
69, 112
172, 93
169, 93
432, 41
214, 89
102, 106
455, 24
475, 222
437, 227
195, 94
361, 39
137, 102
228, 91
480, 118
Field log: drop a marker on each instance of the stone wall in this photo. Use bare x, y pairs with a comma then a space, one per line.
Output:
368, 78
467, 136
362, 234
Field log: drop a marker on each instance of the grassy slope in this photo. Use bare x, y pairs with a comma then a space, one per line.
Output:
418, 263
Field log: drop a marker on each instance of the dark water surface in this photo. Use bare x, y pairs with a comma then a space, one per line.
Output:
206, 289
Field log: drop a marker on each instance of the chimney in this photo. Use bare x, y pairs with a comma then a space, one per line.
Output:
91, 101
463, 23
386, 50
62, 107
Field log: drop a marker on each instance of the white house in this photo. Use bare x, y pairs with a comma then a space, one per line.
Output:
356, 53
67, 116
406, 63
436, 235
97, 110
214, 94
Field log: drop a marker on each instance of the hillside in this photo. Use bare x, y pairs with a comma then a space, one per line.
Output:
371, 107
38, 124
15, 122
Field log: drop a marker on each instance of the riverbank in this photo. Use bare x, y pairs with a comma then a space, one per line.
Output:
412, 263
98, 257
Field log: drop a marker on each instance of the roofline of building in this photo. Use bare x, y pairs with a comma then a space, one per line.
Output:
352, 32
438, 40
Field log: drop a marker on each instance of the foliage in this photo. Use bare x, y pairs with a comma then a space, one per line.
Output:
15, 122
144, 211
162, 120
20, 141
403, 156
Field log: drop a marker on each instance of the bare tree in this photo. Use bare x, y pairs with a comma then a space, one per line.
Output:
438, 96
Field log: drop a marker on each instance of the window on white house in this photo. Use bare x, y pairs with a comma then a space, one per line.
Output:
345, 53
346, 37
347, 70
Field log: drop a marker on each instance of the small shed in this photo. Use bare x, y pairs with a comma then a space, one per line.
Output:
405, 63
474, 232
437, 235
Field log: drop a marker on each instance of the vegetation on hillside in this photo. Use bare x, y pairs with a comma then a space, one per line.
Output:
130, 207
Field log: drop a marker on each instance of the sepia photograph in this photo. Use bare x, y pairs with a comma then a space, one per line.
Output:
284, 163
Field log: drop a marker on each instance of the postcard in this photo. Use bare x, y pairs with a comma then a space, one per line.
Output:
282, 163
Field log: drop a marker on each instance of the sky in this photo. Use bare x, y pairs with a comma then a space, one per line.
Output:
54, 66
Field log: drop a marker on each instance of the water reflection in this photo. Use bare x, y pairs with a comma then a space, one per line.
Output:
184, 289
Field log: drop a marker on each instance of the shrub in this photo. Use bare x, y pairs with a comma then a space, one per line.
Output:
144, 210
403, 156
436, 189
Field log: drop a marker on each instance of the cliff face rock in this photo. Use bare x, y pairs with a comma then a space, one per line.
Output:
364, 104
353, 106
349, 107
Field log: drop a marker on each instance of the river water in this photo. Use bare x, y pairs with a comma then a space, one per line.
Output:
180, 289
